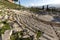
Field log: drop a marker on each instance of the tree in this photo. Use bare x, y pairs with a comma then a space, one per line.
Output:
15, 0
47, 7
42, 7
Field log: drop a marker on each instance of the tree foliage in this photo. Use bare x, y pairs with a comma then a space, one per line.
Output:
15, 0
42, 7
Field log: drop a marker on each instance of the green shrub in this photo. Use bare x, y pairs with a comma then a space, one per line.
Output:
5, 27
39, 33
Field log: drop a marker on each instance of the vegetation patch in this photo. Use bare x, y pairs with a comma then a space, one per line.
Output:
39, 33
9, 4
5, 27
15, 36
0, 12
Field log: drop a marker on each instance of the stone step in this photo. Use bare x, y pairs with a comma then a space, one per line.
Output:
47, 37
42, 38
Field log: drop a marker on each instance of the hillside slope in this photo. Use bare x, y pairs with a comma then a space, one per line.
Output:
20, 20
7, 4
